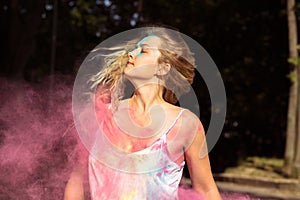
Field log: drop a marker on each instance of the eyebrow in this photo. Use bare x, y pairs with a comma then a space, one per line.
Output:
143, 45
147, 46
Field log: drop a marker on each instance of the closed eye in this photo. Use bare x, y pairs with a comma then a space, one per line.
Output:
144, 50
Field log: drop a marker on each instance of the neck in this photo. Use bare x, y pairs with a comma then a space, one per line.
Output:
147, 96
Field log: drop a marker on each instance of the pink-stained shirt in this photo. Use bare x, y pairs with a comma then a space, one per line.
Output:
160, 182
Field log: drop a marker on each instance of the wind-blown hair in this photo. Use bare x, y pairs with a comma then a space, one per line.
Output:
110, 84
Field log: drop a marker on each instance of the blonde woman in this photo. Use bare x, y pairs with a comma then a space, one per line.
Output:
146, 140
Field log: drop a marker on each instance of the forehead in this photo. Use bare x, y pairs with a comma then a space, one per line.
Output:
151, 40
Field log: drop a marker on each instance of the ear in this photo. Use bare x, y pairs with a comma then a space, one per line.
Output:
163, 69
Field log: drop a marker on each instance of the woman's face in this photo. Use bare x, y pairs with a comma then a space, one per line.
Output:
143, 60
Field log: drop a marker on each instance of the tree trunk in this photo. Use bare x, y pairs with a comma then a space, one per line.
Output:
13, 39
25, 45
296, 165
140, 7
53, 52
53, 42
292, 107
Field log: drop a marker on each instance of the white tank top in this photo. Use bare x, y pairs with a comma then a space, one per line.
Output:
162, 183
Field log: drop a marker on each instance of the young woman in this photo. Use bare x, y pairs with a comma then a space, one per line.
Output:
146, 140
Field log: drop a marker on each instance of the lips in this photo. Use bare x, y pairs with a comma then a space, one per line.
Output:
129, 63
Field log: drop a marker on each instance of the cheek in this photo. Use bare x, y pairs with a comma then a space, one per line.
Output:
148, 69
142, 60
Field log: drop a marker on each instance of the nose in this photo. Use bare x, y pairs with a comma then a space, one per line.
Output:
130, 55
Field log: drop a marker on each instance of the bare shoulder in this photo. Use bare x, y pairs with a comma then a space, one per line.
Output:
189, 121
186, 114
171, 108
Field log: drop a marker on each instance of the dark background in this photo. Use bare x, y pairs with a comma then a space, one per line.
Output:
247, 40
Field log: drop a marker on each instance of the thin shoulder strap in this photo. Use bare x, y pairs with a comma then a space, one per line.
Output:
174, 122
164, 136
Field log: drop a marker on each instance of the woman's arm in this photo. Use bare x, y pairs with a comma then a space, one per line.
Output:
77, 183
199, 168
74, 188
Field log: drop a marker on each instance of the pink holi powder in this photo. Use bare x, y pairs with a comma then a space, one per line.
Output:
186, 193
38, 143
36, 147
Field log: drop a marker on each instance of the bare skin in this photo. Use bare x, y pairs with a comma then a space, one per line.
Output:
199, 168
143, 71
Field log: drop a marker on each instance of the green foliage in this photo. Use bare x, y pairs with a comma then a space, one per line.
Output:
293, 61
86, 14
77, 17
264, 161
261, 167
292, 76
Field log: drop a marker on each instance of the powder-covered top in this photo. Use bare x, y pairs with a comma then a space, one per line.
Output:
161, 181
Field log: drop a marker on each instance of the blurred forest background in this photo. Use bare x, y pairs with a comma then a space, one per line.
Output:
248, 40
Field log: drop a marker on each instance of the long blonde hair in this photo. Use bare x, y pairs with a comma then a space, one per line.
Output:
174, 51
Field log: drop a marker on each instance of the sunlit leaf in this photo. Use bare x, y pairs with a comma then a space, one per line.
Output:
293, 61
292, 76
